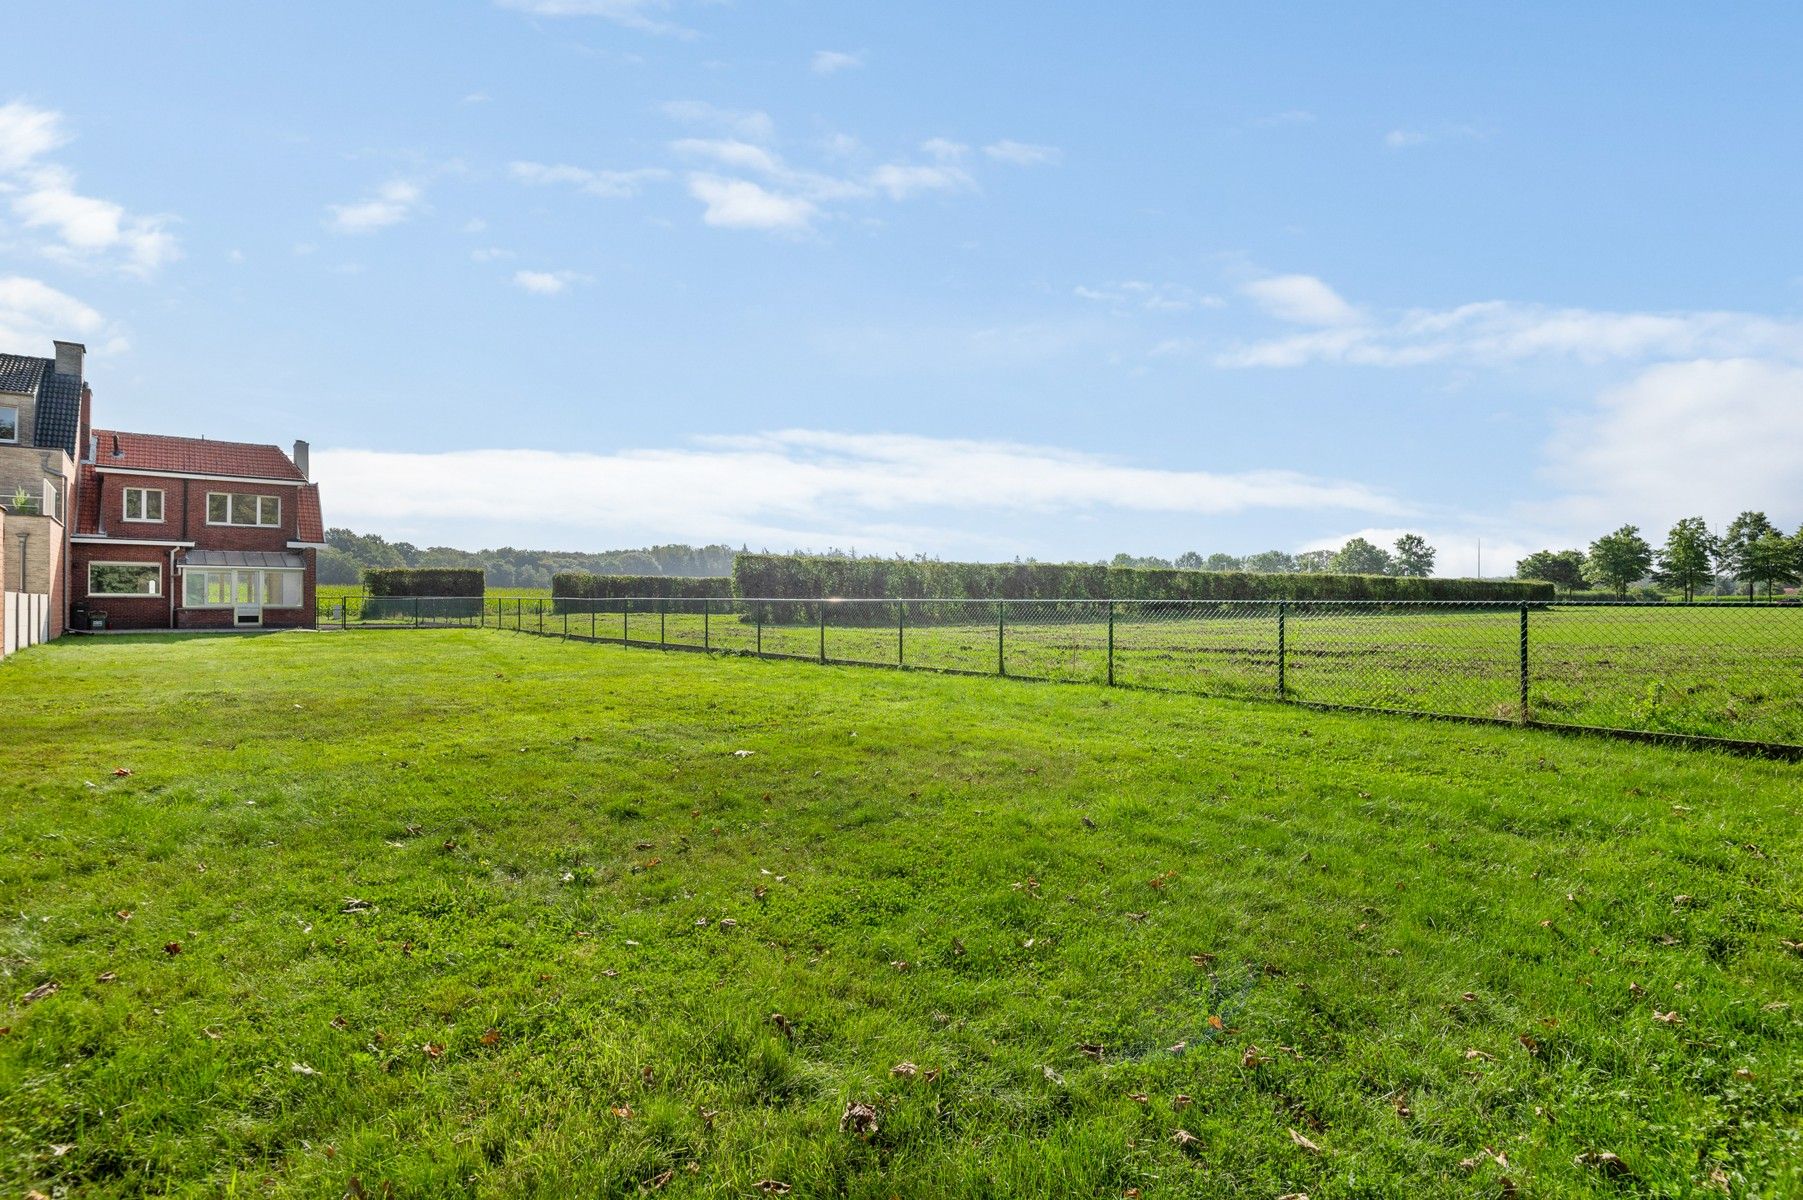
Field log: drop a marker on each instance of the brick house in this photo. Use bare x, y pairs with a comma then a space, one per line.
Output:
173, 532
41, 406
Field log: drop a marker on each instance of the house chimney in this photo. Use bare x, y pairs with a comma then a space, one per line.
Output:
300, 458
84, 436
68, 358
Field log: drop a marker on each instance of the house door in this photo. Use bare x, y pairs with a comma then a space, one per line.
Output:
247, 605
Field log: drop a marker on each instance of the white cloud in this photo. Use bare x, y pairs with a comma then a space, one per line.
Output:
1402, 139
27, 134
830, 62
395, 201
1711, 436
1131, 294
1407, 139
740, 156
902, 180
752, 125
1024, 154
608, 184
795, 487
742, 204
1496, 332
631, 14
33, 314
1301, 299
944, 149
546, 283
43, 199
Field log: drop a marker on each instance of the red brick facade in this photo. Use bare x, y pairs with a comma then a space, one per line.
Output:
104, 534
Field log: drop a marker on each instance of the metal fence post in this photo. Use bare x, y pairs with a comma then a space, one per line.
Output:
707, 634
625, 616
1111, 643
1524, 662
758, 614
901, 633
344, 613
823, 631
663, 608
1283, 610
566, 623
1001, 638
591, 620
416, 612
541, 617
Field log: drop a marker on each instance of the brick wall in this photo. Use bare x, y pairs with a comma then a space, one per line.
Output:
123, 612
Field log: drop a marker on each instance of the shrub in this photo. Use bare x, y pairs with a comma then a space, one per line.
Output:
423, 581
570, 586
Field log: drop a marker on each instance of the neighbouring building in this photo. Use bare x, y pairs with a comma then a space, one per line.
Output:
147, 531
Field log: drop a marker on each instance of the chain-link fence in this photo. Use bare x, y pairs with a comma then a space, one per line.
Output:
1704, 671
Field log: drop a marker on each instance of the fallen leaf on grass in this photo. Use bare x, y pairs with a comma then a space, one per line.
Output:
123, 914
433, 1049
1254, 1057
904, 1070
1793, 947
707, 1116
658, 1180
772, 1187
352, 905
1681, 901
48, 988
745, 754
1479, 1055
783, 1025
1528, 1043
859, 1118
1185, 1139
1468, 997
491, 1036
1139, 1097
121, 772
1603, 1160
1203, 960
172, 948
1636, 991
1667, 1018
301, 1068
1052, 1075
622, 1111
1303, 1143
931, 1075
1400, 1102
1180, 1101
1091, 1050
1215, 1022
1293, 1196
106, 977
900, 964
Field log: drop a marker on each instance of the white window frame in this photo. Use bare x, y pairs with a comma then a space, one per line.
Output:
258, 580
259, 523
156, 595
14, 439
144, 495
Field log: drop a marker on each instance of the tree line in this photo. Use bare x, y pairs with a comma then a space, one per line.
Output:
1750, 551
347, 554
1412, 557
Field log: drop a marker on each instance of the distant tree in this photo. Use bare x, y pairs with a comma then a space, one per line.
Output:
1222, 562
1315, 562
1618, 559
335, 566
1271, 562
1772, 560
1414, 557
1686, 560
1735, 552
1189, 560
1359, 557
1561, 568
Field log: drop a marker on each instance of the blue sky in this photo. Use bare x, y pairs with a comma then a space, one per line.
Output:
975, 280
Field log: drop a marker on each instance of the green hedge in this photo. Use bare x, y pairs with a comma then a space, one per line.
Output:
423, 581
576, 584
806, 577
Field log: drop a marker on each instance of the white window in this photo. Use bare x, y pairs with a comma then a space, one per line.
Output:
125, 579
243, 508
143, 504
9, 423
227, 588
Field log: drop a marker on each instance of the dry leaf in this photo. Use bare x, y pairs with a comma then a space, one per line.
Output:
1203, 960
1180, 1101
1604, 1161
904, 1070
123, 914
931, 1074
1253, 1057
783, 1025
859, 1118
1667, 1018
1636, 991
658, 1180
1091, 1050
707, 1116
121, 772
1139, 1097
353, 904
432, 1049
105, 977
1681, 901
47, 988
301, 1068
1215, 1022
771, 1187
1475, 1055
622, 1111
1303, 1143
490, 1036
1528, 1043
647, 1076
1185, 1139
1468, 997
172, 948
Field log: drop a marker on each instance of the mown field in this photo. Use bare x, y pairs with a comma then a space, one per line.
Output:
1731, 673
462, 913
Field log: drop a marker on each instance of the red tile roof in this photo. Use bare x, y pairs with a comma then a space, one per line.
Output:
309, 527
193, 456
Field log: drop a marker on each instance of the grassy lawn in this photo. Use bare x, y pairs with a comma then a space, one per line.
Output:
466, 913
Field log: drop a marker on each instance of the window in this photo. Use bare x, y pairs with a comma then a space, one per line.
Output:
125, 579
243, 508
143, 504
224, 589
9, 423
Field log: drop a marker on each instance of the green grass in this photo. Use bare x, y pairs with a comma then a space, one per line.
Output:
1715, 673
538, 830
